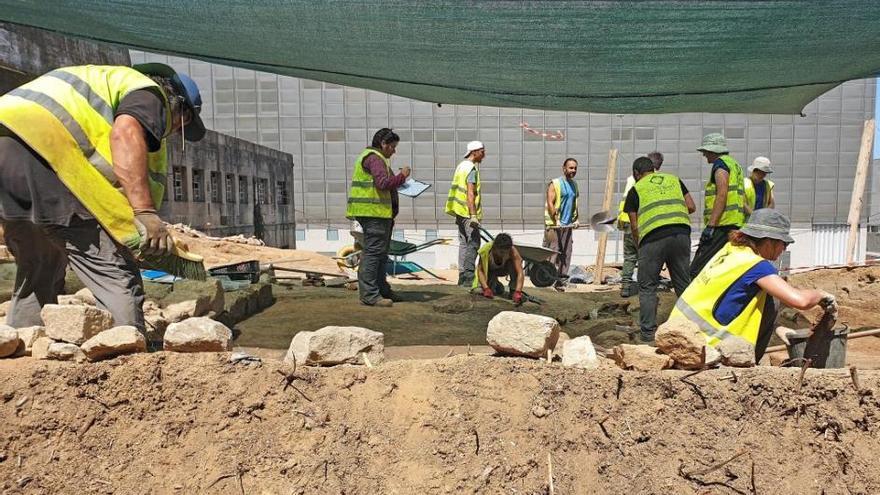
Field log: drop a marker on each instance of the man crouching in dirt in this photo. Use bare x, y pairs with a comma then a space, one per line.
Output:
499, 258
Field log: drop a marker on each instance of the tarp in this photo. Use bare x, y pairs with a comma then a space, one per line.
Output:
606, 57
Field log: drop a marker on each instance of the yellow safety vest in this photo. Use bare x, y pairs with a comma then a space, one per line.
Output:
456, 202
483, 259
557, 186
734, 212
66, 117
698, 301
751, 197
364, 198
623, 217
661, 202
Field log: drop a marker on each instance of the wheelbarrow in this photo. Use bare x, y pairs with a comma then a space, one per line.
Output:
350, 256
536, 261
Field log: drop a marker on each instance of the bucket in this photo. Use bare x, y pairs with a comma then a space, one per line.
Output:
825, 349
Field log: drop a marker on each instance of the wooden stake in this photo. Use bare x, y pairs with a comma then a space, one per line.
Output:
611, 171
550, 472
858, 192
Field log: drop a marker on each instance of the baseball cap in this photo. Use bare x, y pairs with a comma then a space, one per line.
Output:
474, 146
714, 143
768, 223
195, 129
761, 163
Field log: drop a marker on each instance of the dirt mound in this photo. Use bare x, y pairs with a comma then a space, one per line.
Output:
165, 423
857, 291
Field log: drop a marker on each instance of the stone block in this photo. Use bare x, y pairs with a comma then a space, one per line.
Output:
74, 324
114, 342
198, 334
640, 358
9, 341
683, 341
336, 345
522, 334
579, 353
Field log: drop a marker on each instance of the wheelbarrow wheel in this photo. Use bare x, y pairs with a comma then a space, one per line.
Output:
543, 274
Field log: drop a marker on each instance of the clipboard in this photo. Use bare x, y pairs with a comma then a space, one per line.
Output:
412, 188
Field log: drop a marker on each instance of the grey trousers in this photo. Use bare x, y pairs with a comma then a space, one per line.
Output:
372, 283
630, 258
468, 245
675, 251
42, 253
560, 240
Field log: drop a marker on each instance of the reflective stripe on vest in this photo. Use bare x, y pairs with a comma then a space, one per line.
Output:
557, 187
751, 195
364, 198
661, 202
734, 211
66, 116
456, 202
699, 300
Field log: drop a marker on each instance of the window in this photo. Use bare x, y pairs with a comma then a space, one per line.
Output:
622, 134
281, 191
262, 193
230, 188
430, 234
645, 133
332, 234
397, 235
179, 181
198, 184
300, 234
215, 187
242, 189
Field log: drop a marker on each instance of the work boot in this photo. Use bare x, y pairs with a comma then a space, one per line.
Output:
381, 303
393, 296
645, 339
627, 291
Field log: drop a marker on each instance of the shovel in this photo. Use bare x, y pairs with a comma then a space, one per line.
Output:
603, 221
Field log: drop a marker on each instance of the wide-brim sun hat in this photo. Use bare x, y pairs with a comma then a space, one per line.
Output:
714, 143
761, 163
195, 129
768, 223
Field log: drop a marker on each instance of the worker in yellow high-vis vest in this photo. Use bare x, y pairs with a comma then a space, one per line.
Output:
724, 208
659, 207
82, 173
561, 218
374, 203
465, 204
630, 251
732, 298
758, 187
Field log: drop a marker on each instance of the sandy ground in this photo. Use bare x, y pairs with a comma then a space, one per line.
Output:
176, 423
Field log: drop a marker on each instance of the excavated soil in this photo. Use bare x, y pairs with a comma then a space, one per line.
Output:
166, 423
857, 291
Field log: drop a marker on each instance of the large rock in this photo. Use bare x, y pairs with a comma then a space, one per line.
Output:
65, 351
4, 308
579, 353
74, 324
560, 343
336, 345
198, 334
640, 358
40, 347
28, 336
180, 311
683, 341
70, 300
113, 342
522, 334
736, 352
9, 341
86, 296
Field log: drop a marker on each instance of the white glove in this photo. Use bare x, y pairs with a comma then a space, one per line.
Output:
575, 224
474, 222
828, 303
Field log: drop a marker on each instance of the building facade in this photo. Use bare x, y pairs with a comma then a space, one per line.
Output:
324, 127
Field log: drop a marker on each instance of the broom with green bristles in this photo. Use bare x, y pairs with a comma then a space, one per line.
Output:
179, 262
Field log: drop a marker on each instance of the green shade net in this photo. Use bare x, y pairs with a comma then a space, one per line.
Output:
606, 57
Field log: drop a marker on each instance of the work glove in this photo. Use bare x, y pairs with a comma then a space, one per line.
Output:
474, 222
828, 303
706, 236
155, 238
575, 224
487, 293
517, 297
